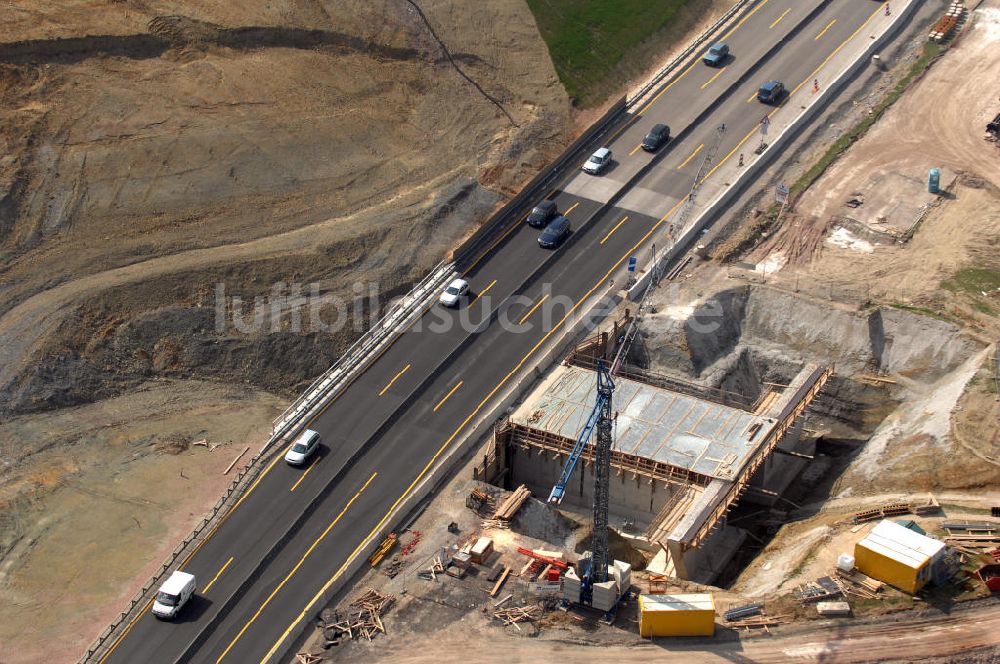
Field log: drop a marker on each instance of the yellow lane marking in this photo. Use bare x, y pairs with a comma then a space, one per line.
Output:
532, 310
635, 149
571, 208
448, 442
333, 579
691, 156
303, 475
709, 81
854, 34
776, 22
448, 396
482, 292
804, 81
624, 219
295, 569
752, 97
661, 92
394, 379
218, 574
828, 26
742, 21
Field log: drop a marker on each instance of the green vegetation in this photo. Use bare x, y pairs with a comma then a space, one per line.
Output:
588, 38
932, 52
974, 281
924, 311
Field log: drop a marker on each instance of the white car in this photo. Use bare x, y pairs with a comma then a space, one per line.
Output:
598, 161
304, 447
454, 293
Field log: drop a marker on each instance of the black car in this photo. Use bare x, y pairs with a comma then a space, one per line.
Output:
541, 214
656, 137
554, 233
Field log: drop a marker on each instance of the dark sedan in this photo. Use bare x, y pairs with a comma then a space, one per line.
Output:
541, 214
554, 233
656, 137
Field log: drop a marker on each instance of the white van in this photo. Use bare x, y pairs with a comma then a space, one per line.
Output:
173, 594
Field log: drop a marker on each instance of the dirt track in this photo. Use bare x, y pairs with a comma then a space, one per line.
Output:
909, 638
939, 122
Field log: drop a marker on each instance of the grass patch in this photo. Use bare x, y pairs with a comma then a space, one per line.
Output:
973, 280
923, 311
932, 52
588, 38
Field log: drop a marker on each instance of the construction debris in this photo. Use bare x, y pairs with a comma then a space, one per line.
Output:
822, 589
932, 506
658, 584
481, 550
307, 658
970, 528
856, 583
393, 568
437, 567
383, 549
479, 502
409, 546
833, 609
762, 622
517, 614
512, 503
364, 618
743, 612
238, 457
882, 512
500, 581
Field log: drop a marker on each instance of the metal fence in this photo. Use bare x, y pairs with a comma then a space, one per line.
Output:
334, 380
356, 358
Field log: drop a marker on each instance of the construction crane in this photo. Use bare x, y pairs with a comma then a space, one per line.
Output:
601, 419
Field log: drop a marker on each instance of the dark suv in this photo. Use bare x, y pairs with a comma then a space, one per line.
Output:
771, 92
541, 214
554, 233
656, 137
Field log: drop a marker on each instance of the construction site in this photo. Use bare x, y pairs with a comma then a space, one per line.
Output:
777, 476
785, 449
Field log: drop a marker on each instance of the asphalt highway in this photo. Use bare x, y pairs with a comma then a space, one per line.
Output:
255, 576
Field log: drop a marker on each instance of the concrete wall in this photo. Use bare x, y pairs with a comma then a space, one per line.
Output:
638, 497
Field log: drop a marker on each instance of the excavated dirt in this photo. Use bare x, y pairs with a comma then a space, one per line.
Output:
156, 155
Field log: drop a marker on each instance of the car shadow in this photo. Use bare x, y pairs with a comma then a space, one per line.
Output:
193, 610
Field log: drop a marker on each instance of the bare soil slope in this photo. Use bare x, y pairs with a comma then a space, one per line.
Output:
154, 154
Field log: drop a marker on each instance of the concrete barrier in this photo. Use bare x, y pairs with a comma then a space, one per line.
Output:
903, 9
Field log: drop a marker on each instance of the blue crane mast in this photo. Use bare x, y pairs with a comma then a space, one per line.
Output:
601, 419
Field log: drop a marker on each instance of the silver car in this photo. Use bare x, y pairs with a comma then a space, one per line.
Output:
455, 291
598, 161
304, 447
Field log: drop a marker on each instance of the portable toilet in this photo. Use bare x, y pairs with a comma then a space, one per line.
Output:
934, 181
898, 556
677, 615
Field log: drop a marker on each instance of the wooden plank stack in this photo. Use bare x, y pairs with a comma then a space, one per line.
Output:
364, 617
512, 503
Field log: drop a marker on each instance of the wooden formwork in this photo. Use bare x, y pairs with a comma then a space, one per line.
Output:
804, 396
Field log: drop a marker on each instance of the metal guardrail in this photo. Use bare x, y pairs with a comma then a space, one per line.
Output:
333, 380
339, 375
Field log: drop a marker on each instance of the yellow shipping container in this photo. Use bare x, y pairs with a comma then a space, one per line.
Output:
676, 615
898, 556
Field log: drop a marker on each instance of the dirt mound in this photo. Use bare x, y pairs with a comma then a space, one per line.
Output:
182, 135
